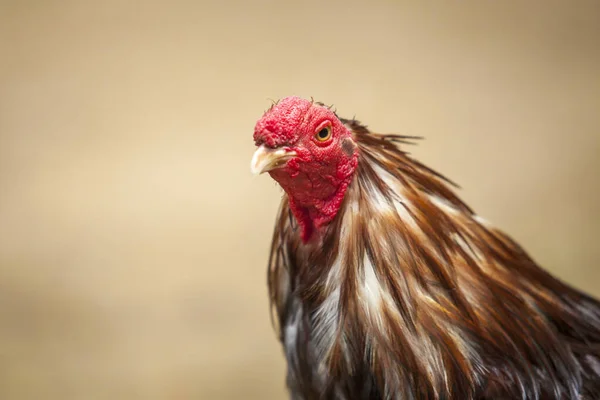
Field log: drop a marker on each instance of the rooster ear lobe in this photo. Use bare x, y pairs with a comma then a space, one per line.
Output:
348, 146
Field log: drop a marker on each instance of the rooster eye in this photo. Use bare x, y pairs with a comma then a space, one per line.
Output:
324, 134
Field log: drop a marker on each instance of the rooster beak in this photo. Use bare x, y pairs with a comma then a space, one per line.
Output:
266, 159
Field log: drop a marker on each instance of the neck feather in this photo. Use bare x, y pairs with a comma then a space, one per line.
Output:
408, 270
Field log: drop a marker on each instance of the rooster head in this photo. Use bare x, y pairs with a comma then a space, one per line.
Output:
305, 147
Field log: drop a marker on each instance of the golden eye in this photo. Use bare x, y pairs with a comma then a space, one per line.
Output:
324, 134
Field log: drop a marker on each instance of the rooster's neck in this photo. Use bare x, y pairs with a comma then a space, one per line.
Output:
314, 216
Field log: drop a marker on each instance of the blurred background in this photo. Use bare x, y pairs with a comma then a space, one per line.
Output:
133, 239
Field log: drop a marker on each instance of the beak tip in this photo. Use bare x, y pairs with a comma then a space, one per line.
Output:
265, 159
255, 171
257, 164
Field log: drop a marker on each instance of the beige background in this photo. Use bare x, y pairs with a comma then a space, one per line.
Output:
133, 238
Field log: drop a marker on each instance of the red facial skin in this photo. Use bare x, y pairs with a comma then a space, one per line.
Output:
317, 178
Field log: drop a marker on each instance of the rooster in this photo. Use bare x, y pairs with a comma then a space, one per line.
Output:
384, 284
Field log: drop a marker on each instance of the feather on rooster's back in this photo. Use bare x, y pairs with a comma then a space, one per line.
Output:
402, 291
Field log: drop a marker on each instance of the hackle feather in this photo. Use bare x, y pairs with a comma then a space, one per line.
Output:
408, 294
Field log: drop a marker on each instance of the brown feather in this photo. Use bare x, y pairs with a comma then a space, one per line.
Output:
409, 295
